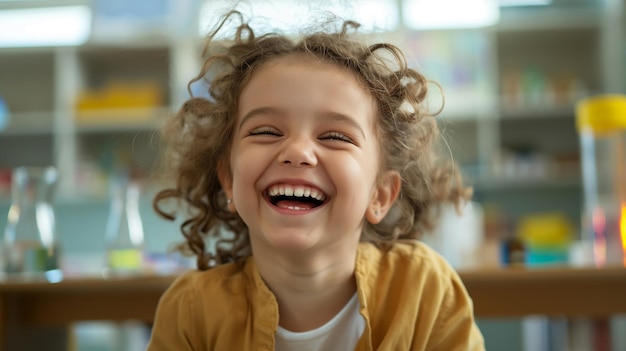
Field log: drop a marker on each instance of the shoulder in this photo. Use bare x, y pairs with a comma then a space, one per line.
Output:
407, 264
408, 289
194, 307
408, 256
194, 279
197, 302
194, 291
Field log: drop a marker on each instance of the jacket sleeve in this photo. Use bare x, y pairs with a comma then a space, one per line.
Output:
175, 324
455, 328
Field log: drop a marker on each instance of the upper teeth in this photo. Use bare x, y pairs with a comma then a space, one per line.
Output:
297, 191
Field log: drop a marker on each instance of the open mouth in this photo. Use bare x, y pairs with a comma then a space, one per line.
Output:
295, 197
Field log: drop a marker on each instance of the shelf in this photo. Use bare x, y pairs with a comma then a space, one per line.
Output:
27, 123
554, 291
109, 76
525, 184
538, 112
549, 18
84, 199
113, 120
505, 113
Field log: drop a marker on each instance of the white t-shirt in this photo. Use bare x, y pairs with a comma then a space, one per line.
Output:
341, 333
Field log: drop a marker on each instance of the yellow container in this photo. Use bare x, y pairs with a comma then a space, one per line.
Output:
547, 238
601, 123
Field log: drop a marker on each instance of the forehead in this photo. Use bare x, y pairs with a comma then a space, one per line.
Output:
305, 68
311, 81
314, 63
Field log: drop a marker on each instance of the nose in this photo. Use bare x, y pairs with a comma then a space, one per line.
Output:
298, 152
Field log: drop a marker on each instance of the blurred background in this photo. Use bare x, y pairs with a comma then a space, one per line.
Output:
84, 86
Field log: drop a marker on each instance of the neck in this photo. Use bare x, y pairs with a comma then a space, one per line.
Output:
310, 289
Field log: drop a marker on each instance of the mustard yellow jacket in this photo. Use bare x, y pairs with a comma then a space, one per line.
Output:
411, 299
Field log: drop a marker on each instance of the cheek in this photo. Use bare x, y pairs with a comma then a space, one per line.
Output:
247, 166
358, 178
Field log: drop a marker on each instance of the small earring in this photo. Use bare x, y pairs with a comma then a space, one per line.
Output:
229, 201
376, 213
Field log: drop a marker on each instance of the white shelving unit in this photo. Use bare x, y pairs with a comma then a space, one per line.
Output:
520, 150
42, 87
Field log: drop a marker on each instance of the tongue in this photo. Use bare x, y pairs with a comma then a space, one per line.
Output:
294, 204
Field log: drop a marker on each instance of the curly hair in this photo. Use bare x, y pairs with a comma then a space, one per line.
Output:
198, 136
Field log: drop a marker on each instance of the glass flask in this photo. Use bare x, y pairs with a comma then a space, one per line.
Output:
124, 230
30, 249
601, 123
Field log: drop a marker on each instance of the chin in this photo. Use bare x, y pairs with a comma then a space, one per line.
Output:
291, 241
291, 245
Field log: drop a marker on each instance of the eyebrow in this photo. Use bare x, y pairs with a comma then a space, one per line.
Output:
340, 117
260, 111
327, 116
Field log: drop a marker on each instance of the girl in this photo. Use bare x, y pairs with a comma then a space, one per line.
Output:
311, 168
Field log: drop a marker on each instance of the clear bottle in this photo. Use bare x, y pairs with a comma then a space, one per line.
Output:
601, 123
30, 249
124, 230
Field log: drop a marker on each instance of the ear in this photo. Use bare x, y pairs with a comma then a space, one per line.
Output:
383, 197
226, 181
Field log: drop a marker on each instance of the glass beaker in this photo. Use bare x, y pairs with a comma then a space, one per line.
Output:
30, 249
124, 230
601, 123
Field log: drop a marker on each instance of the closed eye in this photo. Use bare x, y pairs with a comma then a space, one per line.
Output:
265, 131
337, 136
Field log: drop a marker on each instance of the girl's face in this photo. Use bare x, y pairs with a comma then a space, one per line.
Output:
304, 165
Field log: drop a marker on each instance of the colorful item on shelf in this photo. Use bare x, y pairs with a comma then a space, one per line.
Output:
120, 102
534, 88
547, 238
461, 61
601, 123
124, 230
512, 252
30, 249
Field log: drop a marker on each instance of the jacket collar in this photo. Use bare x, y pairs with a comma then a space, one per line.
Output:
266, 306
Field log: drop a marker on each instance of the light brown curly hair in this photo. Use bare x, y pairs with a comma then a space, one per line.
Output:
199, 135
